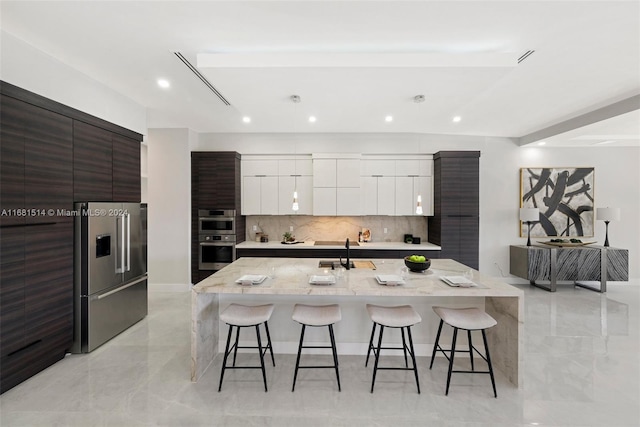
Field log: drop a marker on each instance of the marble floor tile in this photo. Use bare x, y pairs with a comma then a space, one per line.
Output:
581, 364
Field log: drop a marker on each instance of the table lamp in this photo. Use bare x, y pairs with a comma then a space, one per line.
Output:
529, 215
606, 215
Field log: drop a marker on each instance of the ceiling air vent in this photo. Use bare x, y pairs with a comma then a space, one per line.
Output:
525, 55
195, 71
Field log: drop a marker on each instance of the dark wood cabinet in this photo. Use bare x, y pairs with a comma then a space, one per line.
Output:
215, 184
126, 169
92, 163
455, 225
37, 165
51, 155
36, 305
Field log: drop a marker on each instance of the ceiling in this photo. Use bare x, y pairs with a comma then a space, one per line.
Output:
355, 62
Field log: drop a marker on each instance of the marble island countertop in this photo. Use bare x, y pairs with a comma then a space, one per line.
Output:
310, 244
290, 276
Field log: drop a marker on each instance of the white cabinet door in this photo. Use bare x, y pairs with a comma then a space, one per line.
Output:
348, 201
259, 167
260, 195
423, 185
369, 195
369, 167
286, 186
305, 194
269, 195
251, 195
348, 173
405, 200
407, 191
386, 195
324, 173
301, 166
324, 201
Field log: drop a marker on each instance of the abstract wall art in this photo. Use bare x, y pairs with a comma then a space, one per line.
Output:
565, 198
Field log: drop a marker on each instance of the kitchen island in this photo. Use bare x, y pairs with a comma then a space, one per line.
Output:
288, 279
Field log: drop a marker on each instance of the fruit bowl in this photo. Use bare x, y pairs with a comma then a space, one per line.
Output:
417, 266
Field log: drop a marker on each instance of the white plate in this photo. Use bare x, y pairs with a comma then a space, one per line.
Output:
460, 281
253, 279
322, 280
389, 279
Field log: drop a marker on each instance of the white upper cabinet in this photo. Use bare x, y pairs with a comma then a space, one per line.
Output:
259, 195
348, 173
286, 186
336, 185
324, 173
394, 182
268, 183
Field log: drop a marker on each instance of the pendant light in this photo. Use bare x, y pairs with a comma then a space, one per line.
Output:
419, 205
295, 206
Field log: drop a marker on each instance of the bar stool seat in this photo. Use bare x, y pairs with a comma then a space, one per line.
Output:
242, 316
317, 316
403, 317
469, 319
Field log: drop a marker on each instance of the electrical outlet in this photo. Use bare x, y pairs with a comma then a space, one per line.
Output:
255, 228
291, 228
385, 230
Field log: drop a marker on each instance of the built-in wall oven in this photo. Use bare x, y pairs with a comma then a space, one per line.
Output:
216, 221
217, 239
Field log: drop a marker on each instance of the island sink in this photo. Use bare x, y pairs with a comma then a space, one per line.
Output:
333, 264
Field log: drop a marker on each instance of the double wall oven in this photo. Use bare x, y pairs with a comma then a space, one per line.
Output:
217, 238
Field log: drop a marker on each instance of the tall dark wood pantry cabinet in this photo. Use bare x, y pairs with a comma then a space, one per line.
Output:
455, 225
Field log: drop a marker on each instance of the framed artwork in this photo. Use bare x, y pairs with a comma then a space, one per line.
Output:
565, 198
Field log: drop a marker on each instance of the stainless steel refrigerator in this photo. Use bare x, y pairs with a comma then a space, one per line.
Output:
110, 272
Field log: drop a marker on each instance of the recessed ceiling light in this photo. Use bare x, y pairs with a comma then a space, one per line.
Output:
388, 119
542, 143
312, 119
246, 119
456, 119
163, 83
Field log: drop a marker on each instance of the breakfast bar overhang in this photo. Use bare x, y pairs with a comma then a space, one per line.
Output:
289, 277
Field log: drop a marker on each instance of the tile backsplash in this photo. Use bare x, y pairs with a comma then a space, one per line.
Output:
306, 227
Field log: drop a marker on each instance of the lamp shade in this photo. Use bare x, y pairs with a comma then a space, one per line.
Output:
608, 214
529, 214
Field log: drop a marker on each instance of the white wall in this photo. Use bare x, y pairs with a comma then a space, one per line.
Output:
169, 199
29, 68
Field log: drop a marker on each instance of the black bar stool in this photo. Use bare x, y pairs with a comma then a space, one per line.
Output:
244, 316
402, 317
316, 316
468, 319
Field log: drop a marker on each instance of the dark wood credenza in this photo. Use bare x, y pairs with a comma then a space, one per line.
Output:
578, 264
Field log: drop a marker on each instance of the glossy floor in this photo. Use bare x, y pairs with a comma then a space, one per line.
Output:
582, 368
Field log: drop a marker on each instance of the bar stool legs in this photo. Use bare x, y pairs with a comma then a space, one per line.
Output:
402, 317
240, 316
317, 316
468, 319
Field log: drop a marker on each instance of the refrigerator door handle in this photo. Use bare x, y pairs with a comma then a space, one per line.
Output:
128, 285
120, 248
128, 265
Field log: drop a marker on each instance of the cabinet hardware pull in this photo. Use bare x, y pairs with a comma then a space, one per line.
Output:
24, 348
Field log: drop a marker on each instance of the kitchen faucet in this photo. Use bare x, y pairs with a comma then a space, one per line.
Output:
348, 264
